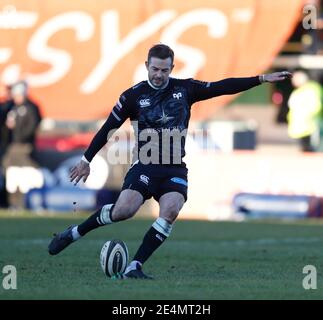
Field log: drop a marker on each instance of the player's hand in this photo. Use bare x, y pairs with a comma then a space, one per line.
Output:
277, 76
81, 170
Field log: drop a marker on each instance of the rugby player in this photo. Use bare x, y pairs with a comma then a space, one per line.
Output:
157, 107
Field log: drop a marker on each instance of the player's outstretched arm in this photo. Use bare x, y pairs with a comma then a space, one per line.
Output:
206, 90
275, 77
116, 118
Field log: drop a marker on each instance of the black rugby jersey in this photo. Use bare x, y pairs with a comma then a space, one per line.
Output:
160, 117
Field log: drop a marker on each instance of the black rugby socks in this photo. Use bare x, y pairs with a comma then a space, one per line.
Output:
98, 219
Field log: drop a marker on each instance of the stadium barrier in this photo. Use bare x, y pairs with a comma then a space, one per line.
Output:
255, 205
68, 199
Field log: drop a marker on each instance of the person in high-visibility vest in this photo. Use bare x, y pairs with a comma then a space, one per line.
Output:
305, 111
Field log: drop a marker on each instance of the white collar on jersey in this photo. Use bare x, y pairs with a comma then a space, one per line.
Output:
156, 88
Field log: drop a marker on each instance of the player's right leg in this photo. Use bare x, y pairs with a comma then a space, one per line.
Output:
126, 206
170, 205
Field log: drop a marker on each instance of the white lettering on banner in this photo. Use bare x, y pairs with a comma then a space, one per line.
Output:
60, 60
11, 18
242, 15
113, 49
192, 58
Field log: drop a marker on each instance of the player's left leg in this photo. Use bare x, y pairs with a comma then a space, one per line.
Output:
170, 205
126, 206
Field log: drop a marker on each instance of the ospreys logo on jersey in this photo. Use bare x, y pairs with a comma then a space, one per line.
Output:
177, 95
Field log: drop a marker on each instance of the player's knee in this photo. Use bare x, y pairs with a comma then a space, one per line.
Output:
122, 212
169, 213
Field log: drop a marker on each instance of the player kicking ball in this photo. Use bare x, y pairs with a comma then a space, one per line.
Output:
159, 106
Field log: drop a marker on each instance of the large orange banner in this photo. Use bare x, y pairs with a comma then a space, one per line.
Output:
79, 55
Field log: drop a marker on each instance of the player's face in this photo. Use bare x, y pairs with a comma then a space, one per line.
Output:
159, 71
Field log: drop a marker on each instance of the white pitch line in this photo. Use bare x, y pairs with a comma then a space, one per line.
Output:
239, 242
40, 241
269, 241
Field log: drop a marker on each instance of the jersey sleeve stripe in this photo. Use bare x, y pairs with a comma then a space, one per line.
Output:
119, 105
116, 116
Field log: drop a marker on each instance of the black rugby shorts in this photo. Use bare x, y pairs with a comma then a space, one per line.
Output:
154, 180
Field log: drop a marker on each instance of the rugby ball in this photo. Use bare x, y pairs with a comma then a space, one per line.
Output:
114, 257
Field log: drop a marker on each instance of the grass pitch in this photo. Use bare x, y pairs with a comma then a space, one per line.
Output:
201, 260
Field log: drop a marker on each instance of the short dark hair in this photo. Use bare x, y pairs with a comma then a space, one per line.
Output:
161, 51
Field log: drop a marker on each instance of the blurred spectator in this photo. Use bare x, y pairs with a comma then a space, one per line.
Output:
22, 121
5, 104
305, 111
24, 116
